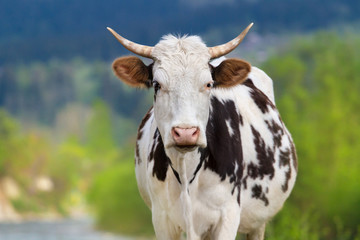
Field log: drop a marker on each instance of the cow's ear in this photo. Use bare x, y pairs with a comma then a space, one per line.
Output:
132, 71
231, 72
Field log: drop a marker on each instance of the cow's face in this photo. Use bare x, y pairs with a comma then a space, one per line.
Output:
182, 80
182, 83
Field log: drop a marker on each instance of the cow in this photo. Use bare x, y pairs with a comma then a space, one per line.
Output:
213, 156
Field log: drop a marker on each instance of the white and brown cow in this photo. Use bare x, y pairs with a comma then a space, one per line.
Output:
213, 156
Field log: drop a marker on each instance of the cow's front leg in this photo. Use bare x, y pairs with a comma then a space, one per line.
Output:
257, 234
228, 225
164, 229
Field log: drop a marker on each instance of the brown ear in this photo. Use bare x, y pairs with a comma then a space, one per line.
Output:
231, 72
132, 71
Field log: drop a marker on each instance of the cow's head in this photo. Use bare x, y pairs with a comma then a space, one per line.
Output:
182, 79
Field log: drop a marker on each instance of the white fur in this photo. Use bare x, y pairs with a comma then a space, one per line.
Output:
263, 82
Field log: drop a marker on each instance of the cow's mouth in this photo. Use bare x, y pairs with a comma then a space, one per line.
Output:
186, 148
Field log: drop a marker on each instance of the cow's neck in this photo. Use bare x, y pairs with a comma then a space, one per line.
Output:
185, 166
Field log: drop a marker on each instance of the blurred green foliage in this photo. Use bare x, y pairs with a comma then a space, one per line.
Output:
39, 91
317, 84
118, 205
86, 146
70, 165
26, 157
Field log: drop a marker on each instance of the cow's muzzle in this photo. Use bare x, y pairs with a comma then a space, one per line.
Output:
185, 137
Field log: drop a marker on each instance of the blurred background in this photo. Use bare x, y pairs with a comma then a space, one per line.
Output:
68, 126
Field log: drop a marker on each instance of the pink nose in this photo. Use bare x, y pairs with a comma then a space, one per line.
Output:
185, 136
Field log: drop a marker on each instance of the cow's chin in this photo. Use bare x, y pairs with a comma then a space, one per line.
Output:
185, 148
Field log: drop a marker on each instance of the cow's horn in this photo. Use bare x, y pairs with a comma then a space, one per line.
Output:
224, 49
139, 49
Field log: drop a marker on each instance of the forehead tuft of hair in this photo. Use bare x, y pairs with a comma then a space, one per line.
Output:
170, 45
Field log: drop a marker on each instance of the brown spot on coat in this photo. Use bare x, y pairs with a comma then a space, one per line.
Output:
257, 192
260, 99
161, 161
276, 130
285, 161
139, 135
224, 150
143, 122
294, 156
137, 154
265, 156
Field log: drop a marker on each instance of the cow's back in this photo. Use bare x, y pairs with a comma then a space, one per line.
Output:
263, 82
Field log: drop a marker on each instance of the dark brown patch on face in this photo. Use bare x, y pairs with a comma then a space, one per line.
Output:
265, 156
139, 135
257, 192
260, 99
161, 161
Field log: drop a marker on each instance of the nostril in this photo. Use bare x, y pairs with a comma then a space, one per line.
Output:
185, 136
176, 133
196, 132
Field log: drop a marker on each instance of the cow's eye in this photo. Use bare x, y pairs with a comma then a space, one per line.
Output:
156, 86
209, 85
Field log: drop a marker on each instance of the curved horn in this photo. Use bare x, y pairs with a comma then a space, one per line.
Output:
224, 49
139, 49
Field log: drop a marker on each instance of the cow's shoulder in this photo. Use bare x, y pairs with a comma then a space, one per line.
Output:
263, 82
